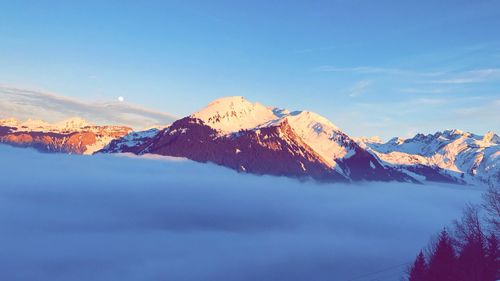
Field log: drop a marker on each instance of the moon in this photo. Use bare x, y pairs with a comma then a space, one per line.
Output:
121, 99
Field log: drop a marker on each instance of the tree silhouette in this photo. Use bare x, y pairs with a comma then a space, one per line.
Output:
492, 259
442, 263
470, 239
491, 204
419, 269
471, 263
472, 253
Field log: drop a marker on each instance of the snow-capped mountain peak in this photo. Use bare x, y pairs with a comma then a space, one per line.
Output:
316, 131
453, 153
308, 119
491, 137
319, 133
251, 137
231, 114
74, 123
396, 141
32, 124
451, 134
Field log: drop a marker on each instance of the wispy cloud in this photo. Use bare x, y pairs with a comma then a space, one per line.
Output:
359, 88
472, 76
380, 71
26, 103
360, 69
449, 77
439, 77
424, 115
486, 111
428, 101
425, 90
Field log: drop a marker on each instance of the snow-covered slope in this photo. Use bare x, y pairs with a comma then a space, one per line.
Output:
75, 135
461, 155
231, 114
132, 142
323, 136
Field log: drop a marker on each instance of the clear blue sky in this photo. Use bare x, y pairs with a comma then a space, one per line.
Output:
372, 67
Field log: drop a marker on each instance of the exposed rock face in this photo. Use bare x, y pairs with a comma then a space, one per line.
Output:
74, 136
274, 150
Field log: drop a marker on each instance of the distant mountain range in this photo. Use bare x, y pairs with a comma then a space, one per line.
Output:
73, 136
451, 154
253, 138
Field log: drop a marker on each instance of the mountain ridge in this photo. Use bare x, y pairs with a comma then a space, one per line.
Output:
421, 161
74, 135
465, 156
254, 138
231, 125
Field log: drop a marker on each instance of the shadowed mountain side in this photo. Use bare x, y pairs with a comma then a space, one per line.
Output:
273, 150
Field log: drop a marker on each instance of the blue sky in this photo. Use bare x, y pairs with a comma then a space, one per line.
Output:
372, 67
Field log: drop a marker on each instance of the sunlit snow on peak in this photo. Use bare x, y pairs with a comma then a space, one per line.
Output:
231, 114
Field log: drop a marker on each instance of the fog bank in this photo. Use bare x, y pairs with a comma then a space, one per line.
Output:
106, 217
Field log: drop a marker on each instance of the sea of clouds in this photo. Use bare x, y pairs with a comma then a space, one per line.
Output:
108, 217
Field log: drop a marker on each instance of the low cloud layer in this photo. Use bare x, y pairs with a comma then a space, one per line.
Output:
24, 103
105, 217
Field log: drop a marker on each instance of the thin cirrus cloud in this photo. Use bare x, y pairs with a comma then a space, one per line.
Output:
472, 76
25, 103
361, 69
489, 110
379, 70
430, 91
359, 88
439, 77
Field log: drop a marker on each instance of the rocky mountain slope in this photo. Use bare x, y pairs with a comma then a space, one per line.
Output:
75, 136
253, 138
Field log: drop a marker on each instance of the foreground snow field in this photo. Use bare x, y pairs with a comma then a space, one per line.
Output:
108, 217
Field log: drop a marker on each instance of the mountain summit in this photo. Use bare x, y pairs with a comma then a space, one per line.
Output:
231, 114
254, 138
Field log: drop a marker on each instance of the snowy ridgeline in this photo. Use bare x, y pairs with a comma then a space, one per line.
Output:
108, 217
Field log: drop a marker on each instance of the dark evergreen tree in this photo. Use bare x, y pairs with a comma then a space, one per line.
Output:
476, 240
419, 269
442, 262
471, 262
470, 238
492, 259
